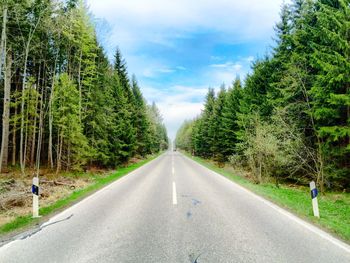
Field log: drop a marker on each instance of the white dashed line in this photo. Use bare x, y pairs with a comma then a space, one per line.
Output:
174, 194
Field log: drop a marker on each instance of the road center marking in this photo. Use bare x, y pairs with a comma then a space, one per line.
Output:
174, 194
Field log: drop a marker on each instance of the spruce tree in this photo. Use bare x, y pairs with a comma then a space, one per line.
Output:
204, 137
141, 121
230, 118
331, 89
216, 128
73, 150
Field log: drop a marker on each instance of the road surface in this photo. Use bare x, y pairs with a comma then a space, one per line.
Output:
175, 210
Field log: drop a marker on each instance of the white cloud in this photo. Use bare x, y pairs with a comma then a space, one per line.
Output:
135, 23
166, 70
174, 114
225, 72
175, 94
148, 73
228, 66
144, 66
154, 71
157, 21
250, 59
177, 104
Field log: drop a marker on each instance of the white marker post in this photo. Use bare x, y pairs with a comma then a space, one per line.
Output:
35, 191
314, 194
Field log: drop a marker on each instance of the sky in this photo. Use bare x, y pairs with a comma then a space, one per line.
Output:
179, 48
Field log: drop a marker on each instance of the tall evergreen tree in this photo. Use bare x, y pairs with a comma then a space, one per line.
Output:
216, 128
73, 149
141, 121
331, 89
203, 139
230, 118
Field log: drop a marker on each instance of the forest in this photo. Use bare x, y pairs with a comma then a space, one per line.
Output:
289, 119
64, 105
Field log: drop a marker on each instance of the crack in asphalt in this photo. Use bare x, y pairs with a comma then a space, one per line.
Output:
42, 227
195, 201
31, 233
194, 259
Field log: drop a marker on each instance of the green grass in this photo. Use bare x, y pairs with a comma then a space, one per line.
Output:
334, 207
98, 183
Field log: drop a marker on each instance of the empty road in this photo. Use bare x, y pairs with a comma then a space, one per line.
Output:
175, 210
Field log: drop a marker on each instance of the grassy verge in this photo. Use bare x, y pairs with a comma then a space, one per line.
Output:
98, 183
334, 207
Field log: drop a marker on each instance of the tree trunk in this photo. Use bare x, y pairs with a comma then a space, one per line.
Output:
7, 89
79, 84
320, 157
68, 158
14, 144
260, 169
59, 154
6, 114
49, 151
348, 109
50, 158
40, 135
3, 39
26, 132
21, 153
33, 140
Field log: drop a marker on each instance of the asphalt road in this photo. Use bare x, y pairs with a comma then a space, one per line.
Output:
174, 210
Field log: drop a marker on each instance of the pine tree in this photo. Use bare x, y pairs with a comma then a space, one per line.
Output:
331, 89
120, 68
122, 137
159, 140
141, 121
99, 123
73, 150
283, 31
127, 102
230, 118
184, 136
203, 140
216, 128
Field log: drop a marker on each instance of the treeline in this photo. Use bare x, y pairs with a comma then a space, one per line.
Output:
65, 105
290, 118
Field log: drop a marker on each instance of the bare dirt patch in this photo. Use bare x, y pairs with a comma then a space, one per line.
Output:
16, 196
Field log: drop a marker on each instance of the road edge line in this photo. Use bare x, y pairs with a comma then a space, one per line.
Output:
54, 217
284, 212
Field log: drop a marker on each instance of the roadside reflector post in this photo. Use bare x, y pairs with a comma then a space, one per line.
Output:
314, 193
35, 192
